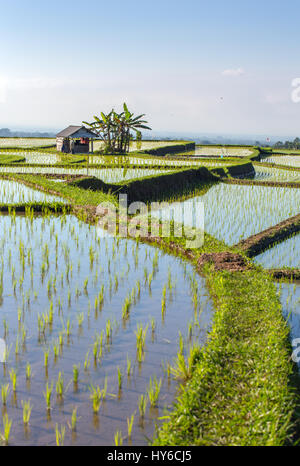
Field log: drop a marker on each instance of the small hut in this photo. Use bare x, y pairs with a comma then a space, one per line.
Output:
75, 140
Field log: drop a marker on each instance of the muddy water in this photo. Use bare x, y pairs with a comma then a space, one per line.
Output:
45, 262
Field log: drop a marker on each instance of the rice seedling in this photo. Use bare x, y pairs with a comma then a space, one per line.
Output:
130, 422
28, 371
129, 367
153, 326
120, 379
181, 343
154, 391
56, 348
80, 319
13, 378
46, 358
73, 420
7, 428
96, 397
60, 435
118, 438
75, 373
87, 362
27, 408
5, 327
142, 405
4, 393
183, 368
60, 385
47, 395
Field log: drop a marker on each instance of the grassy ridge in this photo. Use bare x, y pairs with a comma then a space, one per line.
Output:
74, 194
170, 149
10, 159
240, 392
152, 188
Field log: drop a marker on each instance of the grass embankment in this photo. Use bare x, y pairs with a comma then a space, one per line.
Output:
275, 165
286, 274
74, 194
256, 244
171, 148
7, 159
239, 392
273, 184
242, 169
36, 207
153, 188
93, 191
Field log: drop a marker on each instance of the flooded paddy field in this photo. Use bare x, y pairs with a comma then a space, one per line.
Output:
284, 254
86, 343
288, 160
108, 175
289, 294
143, 145
276, 174
235, 212
40, 157
26, 142
218, 151
37, 157
12, 192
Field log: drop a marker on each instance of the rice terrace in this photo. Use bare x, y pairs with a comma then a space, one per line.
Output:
149, 246
104, 333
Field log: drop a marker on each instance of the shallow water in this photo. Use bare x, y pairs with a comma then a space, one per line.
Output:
26, 142
143, 145
290, 301
286, 254
34, 156
45, 262
234, 212
276, 174
12, 192
108, 175
289, 160
221, 151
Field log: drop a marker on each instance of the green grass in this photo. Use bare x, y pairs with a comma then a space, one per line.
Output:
9, 159
177, 184
74, 194
240, 392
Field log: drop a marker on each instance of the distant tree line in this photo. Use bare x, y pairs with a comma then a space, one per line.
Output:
288, 144
7, 133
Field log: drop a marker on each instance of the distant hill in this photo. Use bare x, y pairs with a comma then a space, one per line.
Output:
7, 133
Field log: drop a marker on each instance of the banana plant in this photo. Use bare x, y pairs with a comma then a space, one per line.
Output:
115, 129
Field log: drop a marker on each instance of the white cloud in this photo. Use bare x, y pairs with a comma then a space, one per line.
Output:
233, 72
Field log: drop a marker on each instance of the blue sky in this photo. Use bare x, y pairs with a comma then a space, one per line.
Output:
200, 66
